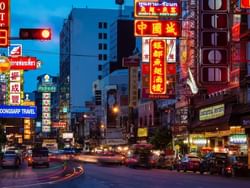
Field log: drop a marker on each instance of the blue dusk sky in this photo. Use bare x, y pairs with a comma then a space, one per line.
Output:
46, 13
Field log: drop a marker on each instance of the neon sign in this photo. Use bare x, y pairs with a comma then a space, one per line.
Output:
157, 83
157, 28
155, 9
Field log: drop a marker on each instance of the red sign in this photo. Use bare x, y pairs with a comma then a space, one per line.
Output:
4, 22
59, 124
24, 63
157, 79
155, 9
244, 4
130, 61
157, 28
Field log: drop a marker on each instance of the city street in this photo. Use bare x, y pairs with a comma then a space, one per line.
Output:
116, 177
30, 177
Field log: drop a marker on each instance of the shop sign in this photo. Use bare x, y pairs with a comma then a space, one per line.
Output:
245, 4
157, 79
157, 28
238, 139
4, 23
18, 111
171, 46
24, 63
142, 132
133, 86
156, 8
212, 112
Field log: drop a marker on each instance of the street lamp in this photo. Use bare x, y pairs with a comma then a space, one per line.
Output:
115, 109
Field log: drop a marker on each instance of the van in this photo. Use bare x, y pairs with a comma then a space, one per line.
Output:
40, 157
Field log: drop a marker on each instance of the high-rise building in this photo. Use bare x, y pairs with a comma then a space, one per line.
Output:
84, 43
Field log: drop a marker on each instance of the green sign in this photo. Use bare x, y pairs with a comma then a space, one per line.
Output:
47, 88
212, 112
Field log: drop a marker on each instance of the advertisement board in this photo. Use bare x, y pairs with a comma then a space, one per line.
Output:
18, 111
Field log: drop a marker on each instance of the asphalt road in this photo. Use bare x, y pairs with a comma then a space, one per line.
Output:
122, 177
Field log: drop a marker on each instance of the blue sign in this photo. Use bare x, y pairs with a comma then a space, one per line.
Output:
18, 112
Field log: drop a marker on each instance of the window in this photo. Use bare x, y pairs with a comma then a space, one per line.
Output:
100, 46
100, 57
105, 46
105, 36
99, 67
105, 57
105, 25
100, 25
99, 35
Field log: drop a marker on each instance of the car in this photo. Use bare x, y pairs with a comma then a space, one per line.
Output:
110, 158
69, 151
140, 155
214, 162
40, 157
165, 161
189, 162
238, 165
11, 159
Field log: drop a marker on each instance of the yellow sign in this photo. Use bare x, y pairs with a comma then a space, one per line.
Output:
142, 132
4, 64
28, 103
212, 112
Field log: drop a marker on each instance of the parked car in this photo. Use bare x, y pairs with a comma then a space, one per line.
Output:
40, 157
110, 158
237, 165
214, 162
189, 163
165, 161
11, 159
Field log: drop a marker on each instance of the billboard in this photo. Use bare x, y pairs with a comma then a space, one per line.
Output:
156, 9
4, 23
18, 111
157, 28
157, 79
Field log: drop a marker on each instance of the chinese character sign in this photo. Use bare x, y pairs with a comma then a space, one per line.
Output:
155, 9
157, 28
157, 67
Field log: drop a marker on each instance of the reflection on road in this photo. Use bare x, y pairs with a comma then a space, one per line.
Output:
60, 170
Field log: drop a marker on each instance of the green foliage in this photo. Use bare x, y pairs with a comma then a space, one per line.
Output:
162, 138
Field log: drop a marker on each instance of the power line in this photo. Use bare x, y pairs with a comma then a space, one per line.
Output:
56, 53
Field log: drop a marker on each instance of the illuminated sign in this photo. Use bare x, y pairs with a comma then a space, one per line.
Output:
212, 112
24, 63
4, 22
171, 46
67, 135
46, 112
157, 28
238, 139
4, 64
59, 124
155, 9
18, 111
15, 75
44, 88
157, 80
15, 50
46, 129
142, 132
15, 87
15, 98
245, 4
27, 129
133, 86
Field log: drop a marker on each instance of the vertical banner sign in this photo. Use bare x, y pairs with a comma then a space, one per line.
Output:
46, 113
27, 129
157, 79
244, 4
15, 87
133, 86
4, 22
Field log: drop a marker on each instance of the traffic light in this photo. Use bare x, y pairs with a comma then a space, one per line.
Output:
35, 33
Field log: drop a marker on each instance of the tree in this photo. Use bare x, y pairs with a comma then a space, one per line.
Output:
3, 139
162, 138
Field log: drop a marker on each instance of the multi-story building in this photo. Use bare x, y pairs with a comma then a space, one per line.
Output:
84, 44
218, 115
